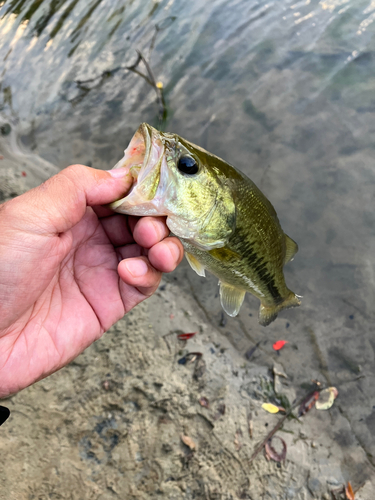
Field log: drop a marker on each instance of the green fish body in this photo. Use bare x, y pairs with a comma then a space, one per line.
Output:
225, 223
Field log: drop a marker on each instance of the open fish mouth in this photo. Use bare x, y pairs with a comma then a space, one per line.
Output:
144, 158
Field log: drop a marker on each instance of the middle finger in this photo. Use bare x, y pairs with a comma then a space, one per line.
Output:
150, 230
117, 229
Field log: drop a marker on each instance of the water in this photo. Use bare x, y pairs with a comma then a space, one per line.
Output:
284, 90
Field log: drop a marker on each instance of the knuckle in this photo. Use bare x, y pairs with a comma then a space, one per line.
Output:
74, 171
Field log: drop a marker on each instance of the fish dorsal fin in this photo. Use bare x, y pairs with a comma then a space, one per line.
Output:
231, 298
195, 264
291, 249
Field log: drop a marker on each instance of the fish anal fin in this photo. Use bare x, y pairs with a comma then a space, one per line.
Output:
291, 249
231, 298
195, 264
267, 314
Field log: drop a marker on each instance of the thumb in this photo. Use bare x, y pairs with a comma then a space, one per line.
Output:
59, 203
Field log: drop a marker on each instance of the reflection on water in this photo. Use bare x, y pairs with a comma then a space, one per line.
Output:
283, 89
221, 52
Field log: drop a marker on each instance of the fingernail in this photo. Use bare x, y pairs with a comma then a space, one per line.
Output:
160, 228
174, 251
117, 173
136, 267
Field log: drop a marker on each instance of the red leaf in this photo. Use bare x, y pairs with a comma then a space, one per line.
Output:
308, 403
185, 336
272, 454
279, 344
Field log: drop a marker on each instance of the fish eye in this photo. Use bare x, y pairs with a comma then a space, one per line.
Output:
187, 165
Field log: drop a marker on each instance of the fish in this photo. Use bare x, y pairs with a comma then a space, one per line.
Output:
226, 224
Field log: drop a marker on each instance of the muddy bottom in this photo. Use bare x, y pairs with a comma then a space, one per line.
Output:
110, 425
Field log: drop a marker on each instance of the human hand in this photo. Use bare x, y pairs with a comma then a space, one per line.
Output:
70, 268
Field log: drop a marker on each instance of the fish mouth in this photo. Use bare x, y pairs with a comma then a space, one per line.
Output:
143, 160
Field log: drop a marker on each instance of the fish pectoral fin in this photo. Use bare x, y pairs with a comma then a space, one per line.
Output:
195, 264
267, 314
291, 249
231, 298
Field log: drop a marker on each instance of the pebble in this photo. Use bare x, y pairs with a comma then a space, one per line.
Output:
333, 482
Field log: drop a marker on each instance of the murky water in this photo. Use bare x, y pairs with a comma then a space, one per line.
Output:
284, 90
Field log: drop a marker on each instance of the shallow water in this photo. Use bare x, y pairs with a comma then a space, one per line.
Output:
283, 90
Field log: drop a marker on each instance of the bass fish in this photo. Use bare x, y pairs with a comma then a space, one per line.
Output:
223, 220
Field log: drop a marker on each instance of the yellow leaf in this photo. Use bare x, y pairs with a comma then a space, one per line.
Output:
270, 408
326, 398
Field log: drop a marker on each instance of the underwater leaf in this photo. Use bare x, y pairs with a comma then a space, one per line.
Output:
308, 403
185, 336
279, 370
270, 408
326, 398
349, 493
188, 442
279, 344
272, 454
204, 402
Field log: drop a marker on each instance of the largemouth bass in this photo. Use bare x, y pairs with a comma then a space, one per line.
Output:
225, 223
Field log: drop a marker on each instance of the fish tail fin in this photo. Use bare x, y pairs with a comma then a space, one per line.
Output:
267, 314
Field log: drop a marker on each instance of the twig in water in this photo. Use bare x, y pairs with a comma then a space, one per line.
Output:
251, 425
151, 81
260, 447
148, 77
317, 387
165, 23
